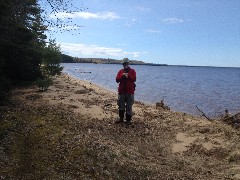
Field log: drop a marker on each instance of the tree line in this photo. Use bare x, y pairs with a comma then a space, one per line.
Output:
69, 59
26, 54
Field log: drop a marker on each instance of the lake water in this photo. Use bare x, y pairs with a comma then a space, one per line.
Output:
212, 89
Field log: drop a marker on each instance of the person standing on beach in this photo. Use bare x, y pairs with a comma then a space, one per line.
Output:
126, 78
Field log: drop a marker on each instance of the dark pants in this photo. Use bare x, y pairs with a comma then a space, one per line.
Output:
125, 102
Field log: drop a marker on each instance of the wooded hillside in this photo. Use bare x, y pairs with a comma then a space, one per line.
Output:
69, 59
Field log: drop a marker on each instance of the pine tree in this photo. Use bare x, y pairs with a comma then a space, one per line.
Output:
51, 59
21, 42
22, 38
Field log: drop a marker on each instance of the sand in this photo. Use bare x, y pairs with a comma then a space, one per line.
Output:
160, 143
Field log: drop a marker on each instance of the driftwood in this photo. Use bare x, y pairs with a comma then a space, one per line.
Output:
226, 118
226, 114
162, 105
233, 120
203, 114
86, 72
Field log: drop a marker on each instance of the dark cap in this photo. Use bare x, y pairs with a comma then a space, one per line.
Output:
126, 61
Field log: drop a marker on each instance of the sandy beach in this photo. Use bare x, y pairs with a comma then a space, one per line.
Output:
68, 132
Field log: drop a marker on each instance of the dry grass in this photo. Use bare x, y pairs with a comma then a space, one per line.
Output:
43, 141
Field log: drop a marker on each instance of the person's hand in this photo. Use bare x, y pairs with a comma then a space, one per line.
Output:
125, 75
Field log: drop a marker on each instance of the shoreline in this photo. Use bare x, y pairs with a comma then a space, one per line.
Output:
114, 93
69, 131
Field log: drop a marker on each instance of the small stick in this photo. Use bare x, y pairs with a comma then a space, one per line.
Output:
203, 114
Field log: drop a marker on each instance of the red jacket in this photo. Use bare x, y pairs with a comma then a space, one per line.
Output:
126, 85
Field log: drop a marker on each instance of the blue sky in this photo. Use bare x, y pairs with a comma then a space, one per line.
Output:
174, 32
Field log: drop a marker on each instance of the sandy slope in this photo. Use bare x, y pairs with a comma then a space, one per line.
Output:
160, 145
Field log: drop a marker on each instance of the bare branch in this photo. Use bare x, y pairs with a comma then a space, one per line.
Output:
58, 6
203, 114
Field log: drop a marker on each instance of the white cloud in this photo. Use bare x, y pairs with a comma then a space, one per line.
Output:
106, 15
136, 54
173, 20
152, 31
122, 44
96, 51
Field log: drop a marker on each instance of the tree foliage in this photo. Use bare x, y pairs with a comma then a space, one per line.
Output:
43, 84
23, 41
51, 59
67, 59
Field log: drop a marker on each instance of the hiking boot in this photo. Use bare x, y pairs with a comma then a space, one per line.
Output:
128, 123
128, 119
119, 121
121, 117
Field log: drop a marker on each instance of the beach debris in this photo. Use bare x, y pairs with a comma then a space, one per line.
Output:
108, 105
82, 91
73, 144
139, 103
233, 120
226, 114
90, 89
203, 114
161, 105
86, 72
73, 106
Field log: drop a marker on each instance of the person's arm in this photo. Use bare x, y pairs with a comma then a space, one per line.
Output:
120, 76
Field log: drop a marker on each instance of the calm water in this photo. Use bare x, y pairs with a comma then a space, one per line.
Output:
212, 89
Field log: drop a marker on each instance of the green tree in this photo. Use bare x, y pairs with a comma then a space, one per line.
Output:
20, 40
51, 59
66, 59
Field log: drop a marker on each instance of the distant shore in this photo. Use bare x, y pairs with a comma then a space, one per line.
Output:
69, 59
